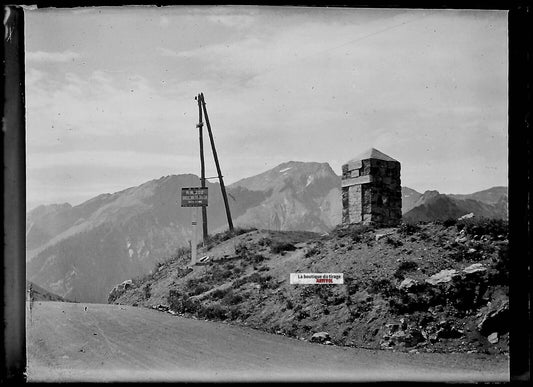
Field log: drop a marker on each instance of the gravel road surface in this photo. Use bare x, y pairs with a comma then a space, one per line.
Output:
70, 342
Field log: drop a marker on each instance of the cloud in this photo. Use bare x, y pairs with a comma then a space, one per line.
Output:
33, 76
425, 90
51, 57
233, 21
167, 52
164, 21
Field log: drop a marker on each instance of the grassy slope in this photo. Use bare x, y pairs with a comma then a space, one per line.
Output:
254, 289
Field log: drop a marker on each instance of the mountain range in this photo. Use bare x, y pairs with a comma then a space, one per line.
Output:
80, 252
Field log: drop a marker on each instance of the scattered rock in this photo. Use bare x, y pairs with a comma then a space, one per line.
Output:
327, 342
162, 308
407, 283
471, 251
467, 216
461, 239
379, 236
476, 267
392, 327
493, 338
320, 337
442, 276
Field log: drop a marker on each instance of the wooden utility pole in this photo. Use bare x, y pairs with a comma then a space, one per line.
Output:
202, 175
221, 180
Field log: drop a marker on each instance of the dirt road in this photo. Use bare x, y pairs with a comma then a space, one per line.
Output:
108, 343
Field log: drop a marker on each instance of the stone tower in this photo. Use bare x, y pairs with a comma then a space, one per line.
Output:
371, 190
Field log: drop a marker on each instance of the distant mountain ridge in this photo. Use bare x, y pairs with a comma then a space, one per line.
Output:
432, 205
37, 293
80, 252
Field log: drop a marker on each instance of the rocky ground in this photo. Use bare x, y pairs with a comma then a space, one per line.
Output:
435, 287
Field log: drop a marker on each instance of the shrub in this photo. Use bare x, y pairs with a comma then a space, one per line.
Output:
483, 226
449, 222
147, 291
281, 247
198, 289
182, 254
311, 252
324, 292
234, 313
212, 312
461, 253
393, 242
302, 314
499, 270
181, 303
264, 242
359, 232
219, 293
352, 288
219, 275
229, 266
409, 228
290, 304
257, 258
408, 266
266, 282
423, 235
403, 268
213, 240
232, 299
382, 286
418, 299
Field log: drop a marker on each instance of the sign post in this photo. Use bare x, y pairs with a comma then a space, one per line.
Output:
194, 197
194, 243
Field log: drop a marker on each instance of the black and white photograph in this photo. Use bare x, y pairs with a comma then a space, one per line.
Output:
266, 193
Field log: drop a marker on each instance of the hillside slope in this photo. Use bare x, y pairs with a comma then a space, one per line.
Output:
422, 288
80, 252
37, 293
114, 237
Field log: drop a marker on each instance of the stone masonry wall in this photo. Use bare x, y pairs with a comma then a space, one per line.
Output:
376, 196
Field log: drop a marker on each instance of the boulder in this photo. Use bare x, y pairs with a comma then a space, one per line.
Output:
476, 267
442, 276
493, 338
467, 216
118, 290
496, 319
409, 338
320, 337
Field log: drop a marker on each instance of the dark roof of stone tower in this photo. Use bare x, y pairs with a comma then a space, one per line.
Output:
372, 153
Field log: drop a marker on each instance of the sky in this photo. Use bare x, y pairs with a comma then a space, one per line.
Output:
110, 94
